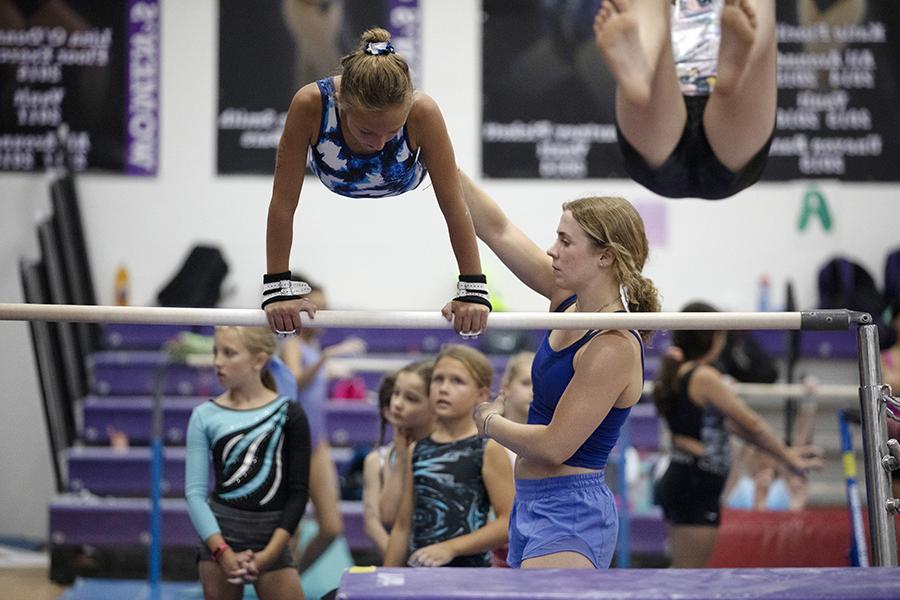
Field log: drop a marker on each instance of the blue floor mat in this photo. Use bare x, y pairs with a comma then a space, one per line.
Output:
323, 576
117, 589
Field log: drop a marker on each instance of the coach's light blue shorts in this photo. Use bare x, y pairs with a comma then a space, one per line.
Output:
572, 513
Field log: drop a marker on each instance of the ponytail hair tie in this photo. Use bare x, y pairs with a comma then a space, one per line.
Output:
378, 48
623, 296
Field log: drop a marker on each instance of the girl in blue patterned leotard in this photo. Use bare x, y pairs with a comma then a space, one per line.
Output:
395, 169
454, 476
367, 133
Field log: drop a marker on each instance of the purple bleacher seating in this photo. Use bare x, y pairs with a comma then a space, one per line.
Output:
428, 341
122, 472
644, 426
135, 372
828, 344
106, 471
772, 341
77, 520
141, 336
813, 344
661, 340
128, 373
124, 373
648, 532
132, 415
351, 422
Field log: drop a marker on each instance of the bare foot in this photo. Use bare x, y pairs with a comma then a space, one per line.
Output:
738, 33
617, 35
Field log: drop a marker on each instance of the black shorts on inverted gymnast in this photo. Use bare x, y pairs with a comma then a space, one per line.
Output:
693, 170
689, 494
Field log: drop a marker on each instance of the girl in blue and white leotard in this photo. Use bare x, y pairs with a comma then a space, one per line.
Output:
367, 133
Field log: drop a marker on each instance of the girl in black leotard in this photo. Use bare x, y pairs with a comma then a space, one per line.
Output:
699, 409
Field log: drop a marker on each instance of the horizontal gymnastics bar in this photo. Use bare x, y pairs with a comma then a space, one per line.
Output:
798, 390
368, 364
806, 320
780, 390
772, 395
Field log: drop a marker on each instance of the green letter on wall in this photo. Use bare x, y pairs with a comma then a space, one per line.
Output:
814, 204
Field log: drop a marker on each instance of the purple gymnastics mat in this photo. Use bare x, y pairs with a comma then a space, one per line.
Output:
369, 583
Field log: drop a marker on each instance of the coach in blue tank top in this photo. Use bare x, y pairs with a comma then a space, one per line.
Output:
367, 133
585, 382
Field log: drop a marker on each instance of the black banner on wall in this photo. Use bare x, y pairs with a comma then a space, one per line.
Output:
93, 66
549, 98
268, 49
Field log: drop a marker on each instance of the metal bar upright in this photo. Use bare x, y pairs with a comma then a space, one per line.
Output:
154, 565
874, 435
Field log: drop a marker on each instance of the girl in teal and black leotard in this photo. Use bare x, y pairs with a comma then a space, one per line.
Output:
258, 442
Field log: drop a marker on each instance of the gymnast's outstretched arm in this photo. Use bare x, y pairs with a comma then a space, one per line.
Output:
300, 127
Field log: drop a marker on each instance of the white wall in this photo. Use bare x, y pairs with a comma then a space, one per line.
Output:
25, 467
362, 249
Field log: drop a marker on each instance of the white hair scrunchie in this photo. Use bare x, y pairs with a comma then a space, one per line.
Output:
378, 48
623, 294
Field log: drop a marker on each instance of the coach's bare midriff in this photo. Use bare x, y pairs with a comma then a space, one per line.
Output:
530, 469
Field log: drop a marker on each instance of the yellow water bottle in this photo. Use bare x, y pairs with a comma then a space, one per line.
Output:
121, 286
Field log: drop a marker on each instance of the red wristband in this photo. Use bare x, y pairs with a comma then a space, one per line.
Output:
217, 553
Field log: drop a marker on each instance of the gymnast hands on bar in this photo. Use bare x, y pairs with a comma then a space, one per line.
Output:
283, 299
469, 319
284, 316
